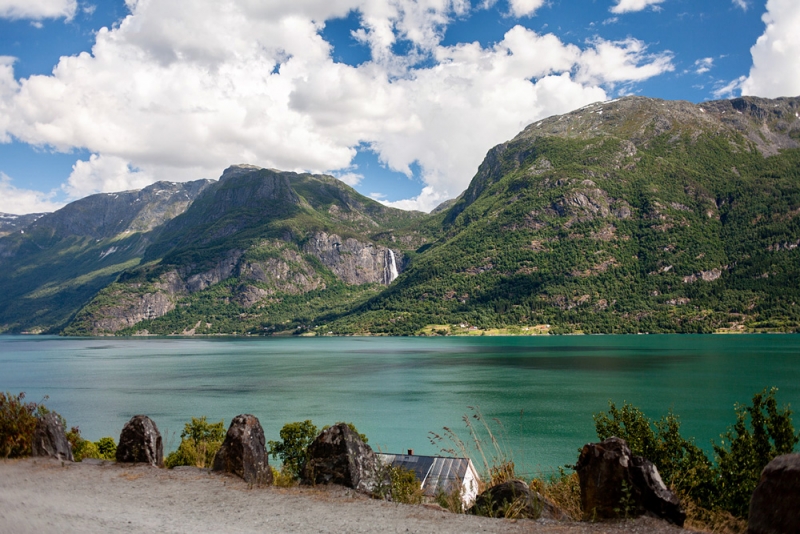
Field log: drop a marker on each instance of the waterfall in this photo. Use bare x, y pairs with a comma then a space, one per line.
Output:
391, 268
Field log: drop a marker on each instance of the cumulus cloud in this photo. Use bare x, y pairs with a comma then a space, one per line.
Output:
776, 54
525, 8
627, 6
179, 90
20, 201
38, 9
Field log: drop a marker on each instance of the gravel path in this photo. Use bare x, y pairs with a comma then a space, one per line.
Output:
43, 496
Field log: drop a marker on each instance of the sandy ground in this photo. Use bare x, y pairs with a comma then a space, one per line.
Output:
43, 496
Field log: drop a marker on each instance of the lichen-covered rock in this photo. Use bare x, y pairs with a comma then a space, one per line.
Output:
339, 456
614, 483
50, 439
244, 451
518, 499
140, 442
775, 505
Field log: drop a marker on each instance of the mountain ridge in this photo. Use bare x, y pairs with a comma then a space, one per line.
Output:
632, 215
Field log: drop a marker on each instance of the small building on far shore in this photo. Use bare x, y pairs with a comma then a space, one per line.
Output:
438, 473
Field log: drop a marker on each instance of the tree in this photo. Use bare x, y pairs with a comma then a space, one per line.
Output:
295, 439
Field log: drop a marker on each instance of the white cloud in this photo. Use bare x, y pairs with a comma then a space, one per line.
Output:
741, 4
703, 65
106, 174
350, 178
180, 90
38, 9
776, 54
627, 6
20, 201
728, 90
524, 8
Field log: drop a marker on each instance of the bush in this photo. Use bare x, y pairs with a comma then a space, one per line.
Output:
103, 449
681, 464
761, 432
200, 441
746, 453
17, 424
291, 450
405, 487
107, 448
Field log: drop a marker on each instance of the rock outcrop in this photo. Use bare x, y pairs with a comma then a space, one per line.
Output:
354, 261
775, 505
244, 452
140, 442
339, 456
517, 497
614, 483
50, 439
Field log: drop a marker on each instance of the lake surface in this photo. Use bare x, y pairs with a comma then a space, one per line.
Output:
543, 390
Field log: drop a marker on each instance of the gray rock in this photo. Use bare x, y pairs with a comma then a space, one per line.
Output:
524, 502
775, 505
338, 456
614, 484
244, 451
50, 439
140, 442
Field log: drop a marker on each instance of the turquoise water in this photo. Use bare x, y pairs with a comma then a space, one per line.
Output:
543, 390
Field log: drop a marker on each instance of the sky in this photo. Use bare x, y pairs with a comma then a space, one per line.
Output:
400, 99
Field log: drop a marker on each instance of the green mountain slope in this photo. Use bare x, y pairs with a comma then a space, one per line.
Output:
56, 263
631, 216
259, 251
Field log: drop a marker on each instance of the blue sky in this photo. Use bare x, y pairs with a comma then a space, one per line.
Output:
399, 98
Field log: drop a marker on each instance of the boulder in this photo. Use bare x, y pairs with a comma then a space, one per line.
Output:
244, 451
140, 442
50, 439
523, 502
775, 505
338, 456
614, 484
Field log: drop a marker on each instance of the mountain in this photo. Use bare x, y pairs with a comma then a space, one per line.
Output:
636, 215
259, 251
633, 215
58, 261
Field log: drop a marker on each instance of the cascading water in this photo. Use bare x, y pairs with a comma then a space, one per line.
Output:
391, 267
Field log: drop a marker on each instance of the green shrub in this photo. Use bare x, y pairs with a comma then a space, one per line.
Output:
406, 488
761, 432
200, 441
17, 423
291, 450
681, 464
744, 452
107, 448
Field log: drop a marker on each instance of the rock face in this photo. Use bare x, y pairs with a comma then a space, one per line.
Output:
49, 438
244, 452
615, 484
517, 496
775, 505
353, 261
338, 456
140, 441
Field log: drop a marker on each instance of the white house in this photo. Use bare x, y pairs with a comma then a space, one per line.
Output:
437, 473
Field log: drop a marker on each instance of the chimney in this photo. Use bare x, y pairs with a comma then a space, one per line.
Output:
411, 452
